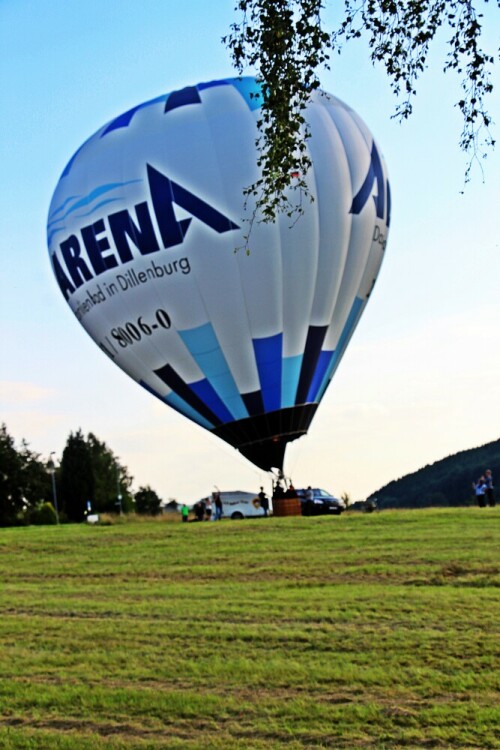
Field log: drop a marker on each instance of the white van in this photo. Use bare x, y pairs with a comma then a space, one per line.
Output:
238, 505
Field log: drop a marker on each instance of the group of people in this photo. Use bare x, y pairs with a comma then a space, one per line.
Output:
280, 492
484, 490
208, 509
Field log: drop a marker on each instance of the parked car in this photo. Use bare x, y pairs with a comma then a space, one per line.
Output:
321, 504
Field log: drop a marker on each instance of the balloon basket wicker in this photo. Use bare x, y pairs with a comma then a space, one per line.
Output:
287, 506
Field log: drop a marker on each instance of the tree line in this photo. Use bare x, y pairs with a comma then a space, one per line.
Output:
447, 482
88, 479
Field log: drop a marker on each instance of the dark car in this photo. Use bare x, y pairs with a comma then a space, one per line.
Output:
322, 503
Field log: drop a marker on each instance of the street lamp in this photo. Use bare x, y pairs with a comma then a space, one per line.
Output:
52, 469
118, 492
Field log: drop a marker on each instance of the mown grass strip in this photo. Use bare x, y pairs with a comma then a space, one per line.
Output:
360, 631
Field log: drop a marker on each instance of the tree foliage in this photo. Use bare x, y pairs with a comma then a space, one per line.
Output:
76, 477
447, 482
286, 42
35, 483
24, 481
11, 495
400, 33
147, 502
111, 480
91, 473
43, 515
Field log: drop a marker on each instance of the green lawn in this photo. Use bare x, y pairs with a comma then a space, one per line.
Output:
364, 631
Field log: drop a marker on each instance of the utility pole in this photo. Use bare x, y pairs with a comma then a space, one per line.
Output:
118, 493
52, 469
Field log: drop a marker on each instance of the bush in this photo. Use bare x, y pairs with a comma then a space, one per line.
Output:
44, 515
147, 502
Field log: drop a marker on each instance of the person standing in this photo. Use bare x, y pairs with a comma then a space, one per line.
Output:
264, 501
278, 491
185, 513
489, 491
208, 509
217, 505
199, 510
480, 490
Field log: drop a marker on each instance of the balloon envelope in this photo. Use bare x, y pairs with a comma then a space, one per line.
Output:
143, 233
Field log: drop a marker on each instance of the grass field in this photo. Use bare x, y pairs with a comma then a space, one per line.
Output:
364, 631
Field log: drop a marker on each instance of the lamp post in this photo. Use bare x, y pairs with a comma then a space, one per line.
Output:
118, 492
52, 469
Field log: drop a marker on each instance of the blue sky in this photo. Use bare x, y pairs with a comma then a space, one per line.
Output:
420, 378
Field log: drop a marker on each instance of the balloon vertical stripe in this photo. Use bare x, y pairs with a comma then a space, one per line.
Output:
342, 343
254, 403
189, 394
205, 349
268, 356
312, 350
179, 405
204, 390
320, 375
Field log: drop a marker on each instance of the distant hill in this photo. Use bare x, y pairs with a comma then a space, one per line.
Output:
443, 483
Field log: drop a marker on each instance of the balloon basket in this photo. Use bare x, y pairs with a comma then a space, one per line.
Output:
287, 506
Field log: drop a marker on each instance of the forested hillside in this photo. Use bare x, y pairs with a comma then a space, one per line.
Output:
444, 483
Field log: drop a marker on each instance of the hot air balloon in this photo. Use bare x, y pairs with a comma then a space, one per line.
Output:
143, 232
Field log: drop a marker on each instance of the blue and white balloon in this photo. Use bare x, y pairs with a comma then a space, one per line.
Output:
142, 232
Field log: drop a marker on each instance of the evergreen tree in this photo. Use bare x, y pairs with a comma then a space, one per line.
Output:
11, 495
36, 481
111, 480
91, 473
147, 501
77, 477
24, 480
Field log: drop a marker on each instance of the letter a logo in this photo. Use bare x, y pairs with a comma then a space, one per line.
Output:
375, 174
165, 193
